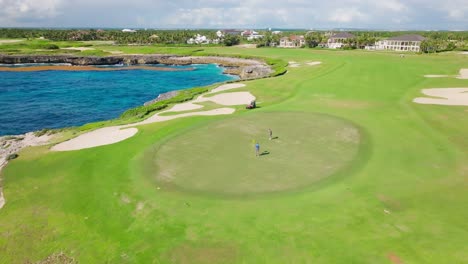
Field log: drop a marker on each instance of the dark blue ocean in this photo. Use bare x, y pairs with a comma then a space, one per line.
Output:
31, 101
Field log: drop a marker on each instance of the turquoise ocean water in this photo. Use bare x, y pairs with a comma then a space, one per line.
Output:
31, 101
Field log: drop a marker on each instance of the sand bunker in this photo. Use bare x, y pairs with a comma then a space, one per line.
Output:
313, 63
463, 74
447, 96
110, 135
435, 76
293, 64
233, 99
226, 87
79, 48
185, 107
229, 99
464, 53
8, 41
99, 137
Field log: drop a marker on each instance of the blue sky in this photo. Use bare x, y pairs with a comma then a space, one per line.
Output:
375, 14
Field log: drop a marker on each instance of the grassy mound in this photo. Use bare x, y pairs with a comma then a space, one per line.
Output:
220, 158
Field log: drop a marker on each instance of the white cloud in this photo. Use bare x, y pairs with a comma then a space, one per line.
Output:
410, 14
12, 11
392, 5
347, 15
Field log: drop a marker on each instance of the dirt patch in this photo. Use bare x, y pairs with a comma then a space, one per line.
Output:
79, 48
58, 258
394, 258
247, 46
203, 254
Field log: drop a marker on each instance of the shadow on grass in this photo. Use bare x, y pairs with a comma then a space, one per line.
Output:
265, 153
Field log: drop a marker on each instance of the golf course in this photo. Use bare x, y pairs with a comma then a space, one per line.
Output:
355, 172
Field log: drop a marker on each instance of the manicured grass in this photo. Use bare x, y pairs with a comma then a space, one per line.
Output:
220, 158
404, 197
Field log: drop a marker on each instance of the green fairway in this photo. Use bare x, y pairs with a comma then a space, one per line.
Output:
358, 174
220, 158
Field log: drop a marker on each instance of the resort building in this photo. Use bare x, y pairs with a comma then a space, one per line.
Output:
338, 40
128, 30
251, 35
233, 32
401, 43
292, 42
199, 39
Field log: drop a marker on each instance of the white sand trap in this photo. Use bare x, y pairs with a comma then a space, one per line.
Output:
435, 76
78, 48
464, 53
99, 137
226, 87
463, 74
2, 200
111, 135
294, 65
313, 63
184, 107
236, 98
447, 96
158, 118
8, 41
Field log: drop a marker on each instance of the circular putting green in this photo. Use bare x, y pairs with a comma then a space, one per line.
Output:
220, 158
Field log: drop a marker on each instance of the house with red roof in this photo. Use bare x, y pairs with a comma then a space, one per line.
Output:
292, 41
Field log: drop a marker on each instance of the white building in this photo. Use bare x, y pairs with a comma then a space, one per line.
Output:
251, 35
128, 30
401, 43
292, 42
338, 40
199, 39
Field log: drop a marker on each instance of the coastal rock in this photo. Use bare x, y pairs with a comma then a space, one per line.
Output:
244, 68
161, 97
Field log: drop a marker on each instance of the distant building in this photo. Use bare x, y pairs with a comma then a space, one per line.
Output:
292, 42
409, 42
338, 40
251, 35
220, 34
199, 39
233, 32
128, 30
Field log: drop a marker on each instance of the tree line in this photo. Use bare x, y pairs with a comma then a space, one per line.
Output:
437, 41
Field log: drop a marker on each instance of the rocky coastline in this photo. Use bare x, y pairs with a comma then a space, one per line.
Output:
244, 68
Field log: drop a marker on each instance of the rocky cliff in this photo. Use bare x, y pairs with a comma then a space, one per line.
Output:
244, 68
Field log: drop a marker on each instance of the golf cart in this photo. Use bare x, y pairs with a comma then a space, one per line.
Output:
252, 105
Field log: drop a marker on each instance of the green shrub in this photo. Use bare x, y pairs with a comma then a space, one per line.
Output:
12, 156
